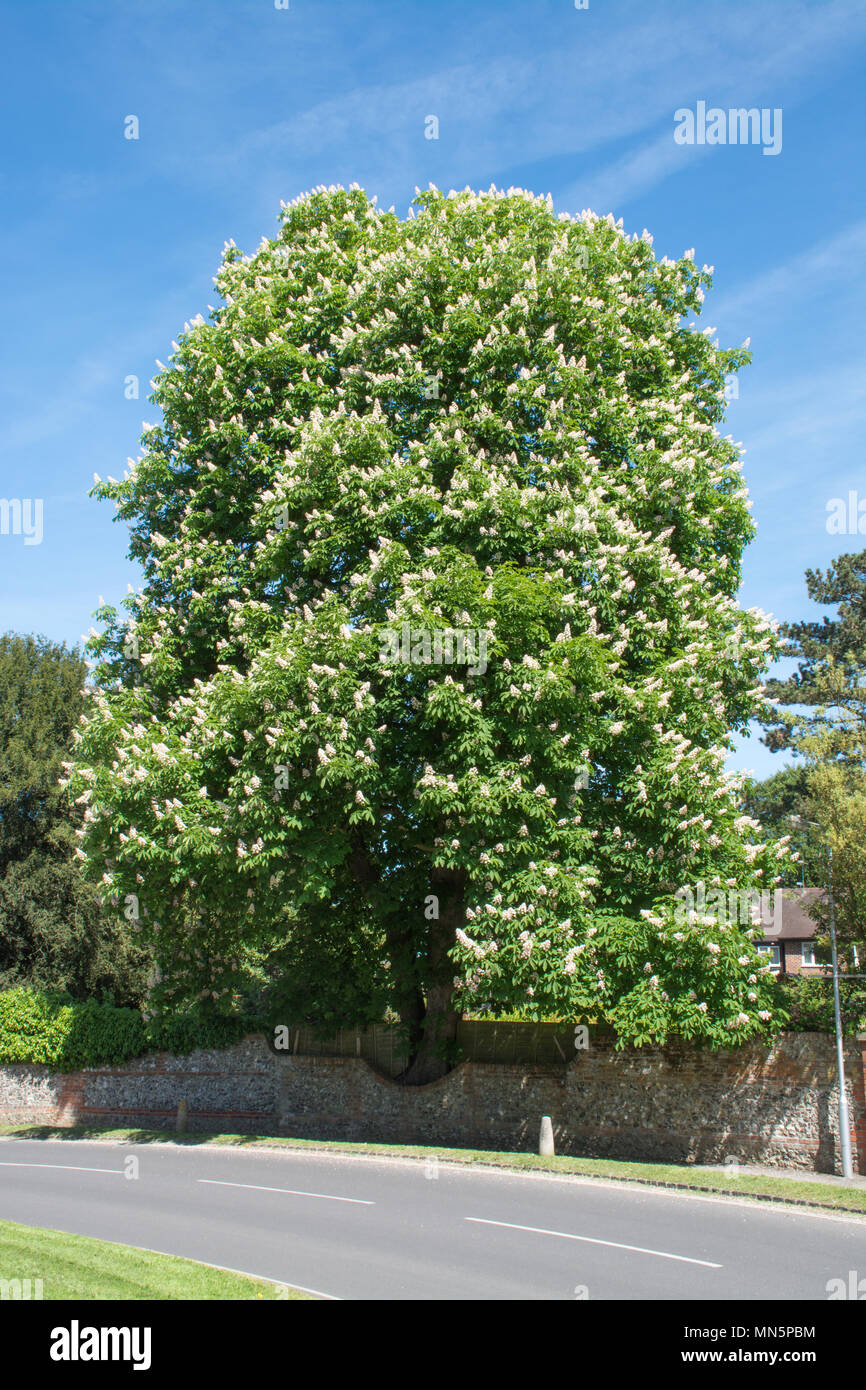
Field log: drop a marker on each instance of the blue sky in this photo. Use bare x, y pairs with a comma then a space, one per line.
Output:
110, 244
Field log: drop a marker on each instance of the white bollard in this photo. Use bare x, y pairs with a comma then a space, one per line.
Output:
545, 1138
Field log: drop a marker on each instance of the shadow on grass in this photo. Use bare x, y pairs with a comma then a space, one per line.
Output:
129, 1136
784, 1188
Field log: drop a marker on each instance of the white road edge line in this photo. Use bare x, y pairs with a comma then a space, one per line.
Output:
229, 1269
281, 1283
190, 1259
257, 1187
591, 1240
70, 1167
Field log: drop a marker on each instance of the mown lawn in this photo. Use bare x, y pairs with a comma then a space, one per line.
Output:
77, 1267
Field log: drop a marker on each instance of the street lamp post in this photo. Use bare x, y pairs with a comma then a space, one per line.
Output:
844, 1121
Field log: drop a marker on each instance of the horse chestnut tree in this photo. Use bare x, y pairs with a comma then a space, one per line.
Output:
484, 420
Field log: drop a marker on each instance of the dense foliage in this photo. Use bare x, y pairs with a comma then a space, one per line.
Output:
484, 419
819, 714
64, 1033
809, 1002
54, 930
827, 691
776, 802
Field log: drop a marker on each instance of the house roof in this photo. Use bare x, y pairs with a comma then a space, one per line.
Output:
796, 924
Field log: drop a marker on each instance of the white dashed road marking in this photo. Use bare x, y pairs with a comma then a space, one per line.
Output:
290, 1192
592, 1240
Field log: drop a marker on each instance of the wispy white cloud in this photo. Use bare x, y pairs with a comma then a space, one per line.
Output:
812, 271
617, 184
507, 110
87, 377
816, 416
733, 70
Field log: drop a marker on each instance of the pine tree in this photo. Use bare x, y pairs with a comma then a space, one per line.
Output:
820, 715
829, 678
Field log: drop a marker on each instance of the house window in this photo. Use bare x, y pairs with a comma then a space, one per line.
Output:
771, 953
808, 950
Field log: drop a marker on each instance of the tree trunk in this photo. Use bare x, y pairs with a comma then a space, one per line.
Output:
432, 1055
424, 986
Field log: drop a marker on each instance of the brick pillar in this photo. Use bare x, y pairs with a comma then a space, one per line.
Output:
71, 1099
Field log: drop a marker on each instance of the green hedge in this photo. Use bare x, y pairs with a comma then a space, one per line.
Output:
809, 1001
60, 1032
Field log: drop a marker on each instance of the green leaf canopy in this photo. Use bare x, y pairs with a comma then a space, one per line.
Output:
488, 421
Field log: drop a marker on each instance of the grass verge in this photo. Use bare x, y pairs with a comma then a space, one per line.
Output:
78, 1267
670, 1175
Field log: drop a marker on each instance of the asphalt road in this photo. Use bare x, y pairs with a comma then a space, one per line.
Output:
360, 1228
